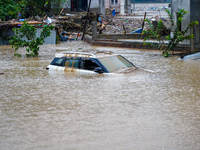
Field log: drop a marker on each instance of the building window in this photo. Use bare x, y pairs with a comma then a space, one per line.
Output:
114, 2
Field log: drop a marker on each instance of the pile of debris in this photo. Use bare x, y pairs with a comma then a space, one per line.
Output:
123, 25
108, 24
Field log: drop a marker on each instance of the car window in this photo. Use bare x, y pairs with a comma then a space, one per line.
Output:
88, 65
57, 62
72, 63
114, 63
122, 59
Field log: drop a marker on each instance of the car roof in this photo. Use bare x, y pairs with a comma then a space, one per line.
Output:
96, 54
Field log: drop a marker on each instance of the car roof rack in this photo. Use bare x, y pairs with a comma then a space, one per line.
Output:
104, 52
80, 53
91, 54
74, 54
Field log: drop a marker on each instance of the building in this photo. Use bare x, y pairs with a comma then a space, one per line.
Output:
120, 6
152, 1
192, 6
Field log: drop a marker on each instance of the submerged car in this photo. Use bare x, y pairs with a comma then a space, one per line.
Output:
99, 62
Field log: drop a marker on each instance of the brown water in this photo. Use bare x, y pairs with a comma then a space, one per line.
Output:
40, 109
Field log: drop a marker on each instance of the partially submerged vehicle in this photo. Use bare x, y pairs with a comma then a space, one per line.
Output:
195, 56
100, 62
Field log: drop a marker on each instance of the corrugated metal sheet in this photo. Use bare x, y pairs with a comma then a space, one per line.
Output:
9, 32
49, 40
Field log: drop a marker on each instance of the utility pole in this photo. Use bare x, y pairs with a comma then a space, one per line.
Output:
84, 28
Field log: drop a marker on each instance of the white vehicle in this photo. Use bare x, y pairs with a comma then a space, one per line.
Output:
99, 62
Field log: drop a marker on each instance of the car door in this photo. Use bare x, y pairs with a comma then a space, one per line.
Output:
71, 64
88, 65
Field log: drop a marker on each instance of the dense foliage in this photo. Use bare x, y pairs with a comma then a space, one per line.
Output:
39, 7
26, 37
177, 37
10, 9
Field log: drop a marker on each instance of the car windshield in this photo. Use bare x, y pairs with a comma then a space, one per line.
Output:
114, 63
57, 62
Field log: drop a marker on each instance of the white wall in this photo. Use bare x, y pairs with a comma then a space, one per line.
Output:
49, 40
94, 3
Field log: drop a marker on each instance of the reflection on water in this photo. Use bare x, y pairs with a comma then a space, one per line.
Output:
40, 109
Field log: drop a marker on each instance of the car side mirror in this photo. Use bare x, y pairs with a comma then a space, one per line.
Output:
98, 70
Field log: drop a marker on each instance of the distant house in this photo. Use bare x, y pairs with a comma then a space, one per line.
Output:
72, 5
152, 1
192, 6
121, 6
81, 5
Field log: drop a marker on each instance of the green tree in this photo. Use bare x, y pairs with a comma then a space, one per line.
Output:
173, 41
26, 37
9, 9
40, 7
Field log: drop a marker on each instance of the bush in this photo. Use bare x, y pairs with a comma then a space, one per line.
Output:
8, 9
178, 35
26, 37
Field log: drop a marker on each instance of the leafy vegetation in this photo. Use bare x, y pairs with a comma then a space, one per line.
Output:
26, 37
177, 37
10, 9
39, 7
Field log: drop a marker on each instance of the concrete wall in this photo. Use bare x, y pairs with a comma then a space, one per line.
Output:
195, 16
119, 36
102, 7
192, 6
181, 4
49, 40
180, 49
94, 4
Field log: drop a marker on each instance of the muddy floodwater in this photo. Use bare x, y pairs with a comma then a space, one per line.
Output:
42, 109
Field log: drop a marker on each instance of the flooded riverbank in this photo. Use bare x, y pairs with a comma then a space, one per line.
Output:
40, 109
